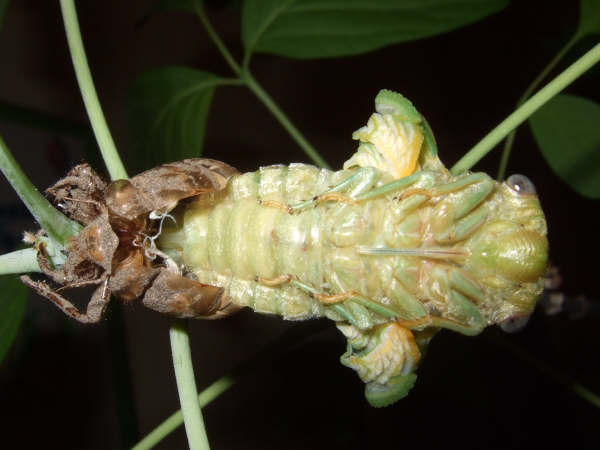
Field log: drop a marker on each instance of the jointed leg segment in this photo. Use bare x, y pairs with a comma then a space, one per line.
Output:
277, 281
95, 308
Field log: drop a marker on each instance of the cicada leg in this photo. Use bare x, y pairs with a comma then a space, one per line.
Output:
457, 215
360, 187
335, 298
350, 305
426, 322
367, 303
457, 298
419, 178
95, 308
385, 357
277, 281
347, 191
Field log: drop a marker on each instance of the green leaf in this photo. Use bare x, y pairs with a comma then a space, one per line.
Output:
566, 130
13, 299
328, 28
169, 107
589, 17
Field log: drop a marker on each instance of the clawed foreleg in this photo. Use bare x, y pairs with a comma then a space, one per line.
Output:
95, 308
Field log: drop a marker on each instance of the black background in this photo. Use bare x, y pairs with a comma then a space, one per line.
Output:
60, 385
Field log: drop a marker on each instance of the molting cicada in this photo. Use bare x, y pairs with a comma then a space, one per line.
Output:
392, 248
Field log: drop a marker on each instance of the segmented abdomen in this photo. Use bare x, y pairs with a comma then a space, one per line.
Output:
247, 242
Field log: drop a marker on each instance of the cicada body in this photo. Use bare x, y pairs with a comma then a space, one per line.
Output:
392, 248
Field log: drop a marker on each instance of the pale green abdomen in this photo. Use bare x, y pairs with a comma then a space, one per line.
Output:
246, 238
235, 240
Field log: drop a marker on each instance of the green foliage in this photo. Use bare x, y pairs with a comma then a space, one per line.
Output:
566, 130
330, 28
57, 225
13, 299
171, 104
589, 17
169, 110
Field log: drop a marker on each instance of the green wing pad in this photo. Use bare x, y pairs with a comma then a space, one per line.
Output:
385, 357
394, 103
380, 395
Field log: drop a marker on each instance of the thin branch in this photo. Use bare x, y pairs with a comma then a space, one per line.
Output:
216, 39
286, 123
19, 261
88, 92
258, 90
264, 358
527, 109
186, 386
530, 89
56, 224
176, 419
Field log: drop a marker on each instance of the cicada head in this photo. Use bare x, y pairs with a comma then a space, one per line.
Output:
509, 254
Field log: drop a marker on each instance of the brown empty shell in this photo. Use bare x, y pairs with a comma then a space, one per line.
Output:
161, 188
183, 297
79, 194
115, 249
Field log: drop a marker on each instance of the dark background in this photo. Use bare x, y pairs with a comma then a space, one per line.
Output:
61, 385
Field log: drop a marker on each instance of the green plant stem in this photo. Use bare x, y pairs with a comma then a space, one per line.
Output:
110, 155
179, 338
283, 120
19, 261
530, 89
527, 109
266, 357
186, 386
56, 224
216, 39
176, 419
258, 90
88, 92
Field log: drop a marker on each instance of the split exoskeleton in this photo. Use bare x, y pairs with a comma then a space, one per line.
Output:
392, 248
116, 249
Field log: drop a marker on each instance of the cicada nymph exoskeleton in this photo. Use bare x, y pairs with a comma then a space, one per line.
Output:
116, 249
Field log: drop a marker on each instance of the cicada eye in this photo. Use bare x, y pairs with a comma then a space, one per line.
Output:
521, 184
514, 324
